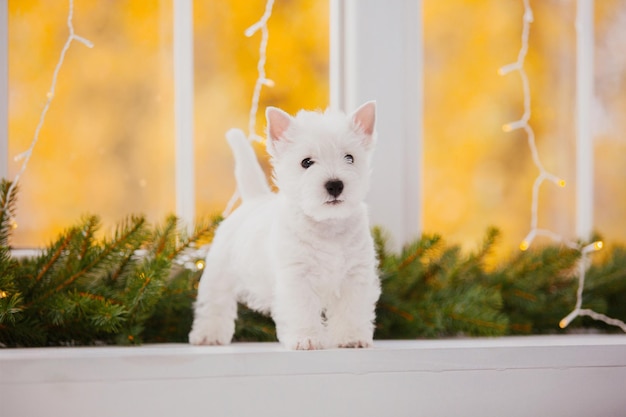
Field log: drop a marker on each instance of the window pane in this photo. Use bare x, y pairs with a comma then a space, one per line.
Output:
106, 146
475, 174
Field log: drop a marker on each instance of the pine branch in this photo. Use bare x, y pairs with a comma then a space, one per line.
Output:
172, 316
164, 239
134, 233
62, 306
54, 254
147, 284
11, 308
605, 287
128, 236
203, 232
8, 204
537, 287
252, 326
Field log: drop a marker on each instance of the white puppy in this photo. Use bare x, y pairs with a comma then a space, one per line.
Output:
305, 255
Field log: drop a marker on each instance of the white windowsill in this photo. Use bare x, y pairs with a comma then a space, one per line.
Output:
578, 375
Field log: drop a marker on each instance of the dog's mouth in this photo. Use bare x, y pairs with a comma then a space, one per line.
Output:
334, 202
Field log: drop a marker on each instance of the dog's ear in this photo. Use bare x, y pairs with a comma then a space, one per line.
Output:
277, 122
364, 120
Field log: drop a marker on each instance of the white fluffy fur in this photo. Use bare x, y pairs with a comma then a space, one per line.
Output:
301, 255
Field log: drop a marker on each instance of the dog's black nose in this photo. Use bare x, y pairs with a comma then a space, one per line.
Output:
334, 187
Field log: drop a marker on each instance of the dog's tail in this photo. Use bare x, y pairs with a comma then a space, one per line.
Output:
251, 181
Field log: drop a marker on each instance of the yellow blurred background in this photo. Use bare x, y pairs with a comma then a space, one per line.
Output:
107, 146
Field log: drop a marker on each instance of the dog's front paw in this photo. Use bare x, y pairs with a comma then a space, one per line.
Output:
205, 332
357, 344
199, 338
303, 343
348, 335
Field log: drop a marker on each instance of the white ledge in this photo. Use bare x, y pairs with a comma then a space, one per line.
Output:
579, 375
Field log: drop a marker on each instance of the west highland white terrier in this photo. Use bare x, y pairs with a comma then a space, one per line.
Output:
305, 254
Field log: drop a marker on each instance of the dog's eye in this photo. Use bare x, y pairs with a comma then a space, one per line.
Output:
306, 163
349, 158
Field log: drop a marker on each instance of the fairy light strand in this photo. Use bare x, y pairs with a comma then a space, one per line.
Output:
522, 123
535, 231
26, 155
261, 81
261, 78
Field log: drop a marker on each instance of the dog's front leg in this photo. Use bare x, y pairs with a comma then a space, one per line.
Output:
297, 312
350, 318
215, 309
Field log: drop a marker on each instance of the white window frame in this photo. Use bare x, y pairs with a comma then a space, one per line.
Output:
184, 111
584, 111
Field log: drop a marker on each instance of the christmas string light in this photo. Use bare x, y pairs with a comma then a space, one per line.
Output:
530, 134
261, 81
544, 175
578, 311
25, 156
200, 264
261, 78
